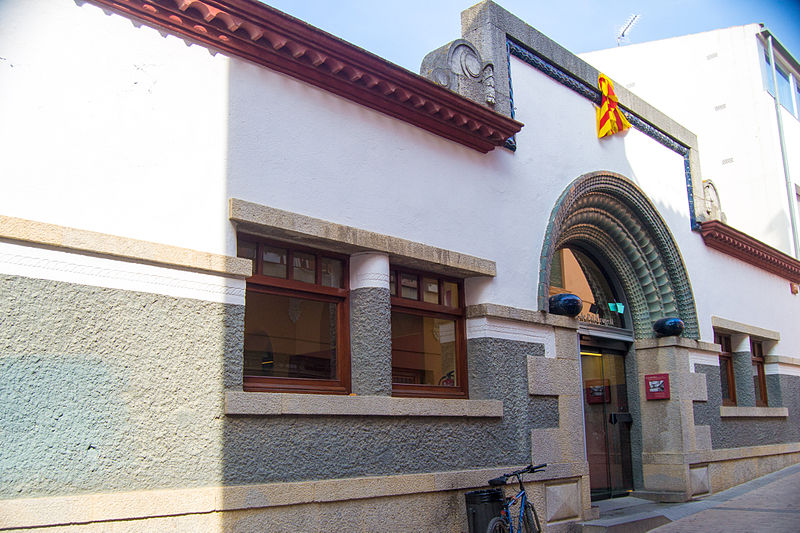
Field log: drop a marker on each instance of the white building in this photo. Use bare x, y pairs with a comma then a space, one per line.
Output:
255, 278
720, 85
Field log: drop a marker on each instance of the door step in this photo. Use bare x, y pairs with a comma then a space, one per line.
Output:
626, 515
635, 523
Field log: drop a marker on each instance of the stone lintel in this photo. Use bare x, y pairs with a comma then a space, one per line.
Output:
520, 315
731, 326
753, 412
117, 247
276, 404
271, 222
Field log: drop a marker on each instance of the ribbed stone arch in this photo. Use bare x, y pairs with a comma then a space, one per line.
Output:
608, 216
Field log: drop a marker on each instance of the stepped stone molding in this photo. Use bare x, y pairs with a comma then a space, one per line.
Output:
114, 246
275, 404
737, 244
276, 223
608, 216
261, 34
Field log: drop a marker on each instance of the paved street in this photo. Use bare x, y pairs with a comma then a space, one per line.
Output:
769, 504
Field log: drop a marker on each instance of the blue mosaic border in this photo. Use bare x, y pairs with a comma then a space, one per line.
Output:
593, 94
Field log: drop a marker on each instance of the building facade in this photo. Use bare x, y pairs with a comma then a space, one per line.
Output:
257, 279
721, 85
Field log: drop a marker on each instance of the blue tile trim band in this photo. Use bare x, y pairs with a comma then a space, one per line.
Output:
593, 94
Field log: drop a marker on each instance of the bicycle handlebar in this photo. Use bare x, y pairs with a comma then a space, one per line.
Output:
530, 469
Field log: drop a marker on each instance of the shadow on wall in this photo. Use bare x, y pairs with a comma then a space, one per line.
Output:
108, 390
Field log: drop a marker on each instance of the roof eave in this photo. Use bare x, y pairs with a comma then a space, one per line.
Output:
268, 37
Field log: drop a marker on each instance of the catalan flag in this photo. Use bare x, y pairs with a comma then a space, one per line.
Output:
609, 118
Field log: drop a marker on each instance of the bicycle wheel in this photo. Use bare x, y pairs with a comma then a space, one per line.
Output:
530, 520
497, 525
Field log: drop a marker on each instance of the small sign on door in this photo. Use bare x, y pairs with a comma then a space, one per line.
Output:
656, 386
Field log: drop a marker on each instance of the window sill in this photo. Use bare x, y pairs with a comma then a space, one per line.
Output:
274, 403
753, 412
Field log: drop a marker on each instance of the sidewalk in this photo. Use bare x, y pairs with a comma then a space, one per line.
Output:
770, 503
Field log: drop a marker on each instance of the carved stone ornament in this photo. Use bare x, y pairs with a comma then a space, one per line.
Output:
458, 66
712, 210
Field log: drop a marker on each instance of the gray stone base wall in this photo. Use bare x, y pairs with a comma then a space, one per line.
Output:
740, 432
106, 390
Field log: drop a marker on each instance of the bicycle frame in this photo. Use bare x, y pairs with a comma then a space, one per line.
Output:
522, 497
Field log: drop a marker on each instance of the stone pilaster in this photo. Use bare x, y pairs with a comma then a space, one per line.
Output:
370, 325
669, 435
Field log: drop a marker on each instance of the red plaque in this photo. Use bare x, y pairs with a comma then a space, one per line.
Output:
656, 386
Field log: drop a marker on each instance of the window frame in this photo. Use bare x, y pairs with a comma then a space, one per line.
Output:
426, 309
757, 360
725, 341
260, 283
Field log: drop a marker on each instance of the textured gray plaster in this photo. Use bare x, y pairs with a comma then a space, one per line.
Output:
293, 448
371, 341
743, 376
105, 389
775, 391
741, 432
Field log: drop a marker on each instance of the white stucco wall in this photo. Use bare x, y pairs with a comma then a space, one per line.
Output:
711, 83
113, 127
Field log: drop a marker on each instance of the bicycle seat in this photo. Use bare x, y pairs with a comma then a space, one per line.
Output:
498, 481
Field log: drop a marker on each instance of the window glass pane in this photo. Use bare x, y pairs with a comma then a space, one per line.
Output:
289, 337
784, 89
247, 250
724, 376
423, 350
408, 286
274, 262
766, 72
556, 271
797, 98
583, 277
393, 283
450, 294
305, 267
430, 290
331, 272
760, 399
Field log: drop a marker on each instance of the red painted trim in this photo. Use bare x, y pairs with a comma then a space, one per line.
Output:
268, 37
741, 246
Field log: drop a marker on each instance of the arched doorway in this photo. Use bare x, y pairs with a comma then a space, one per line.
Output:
607, 243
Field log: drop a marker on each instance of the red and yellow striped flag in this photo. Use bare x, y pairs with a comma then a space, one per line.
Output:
609, 118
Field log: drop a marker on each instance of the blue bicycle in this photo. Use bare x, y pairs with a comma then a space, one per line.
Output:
527, 520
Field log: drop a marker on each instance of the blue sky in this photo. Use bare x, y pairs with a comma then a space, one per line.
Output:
403, 32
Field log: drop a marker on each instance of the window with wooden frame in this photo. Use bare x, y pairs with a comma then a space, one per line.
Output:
726, 376
296, 324
428, 335
759, 378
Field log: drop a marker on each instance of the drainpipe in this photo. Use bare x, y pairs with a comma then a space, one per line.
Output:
789, 187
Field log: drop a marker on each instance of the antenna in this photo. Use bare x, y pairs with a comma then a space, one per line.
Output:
626, 28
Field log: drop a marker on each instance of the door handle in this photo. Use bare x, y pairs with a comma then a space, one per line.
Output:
613, 418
